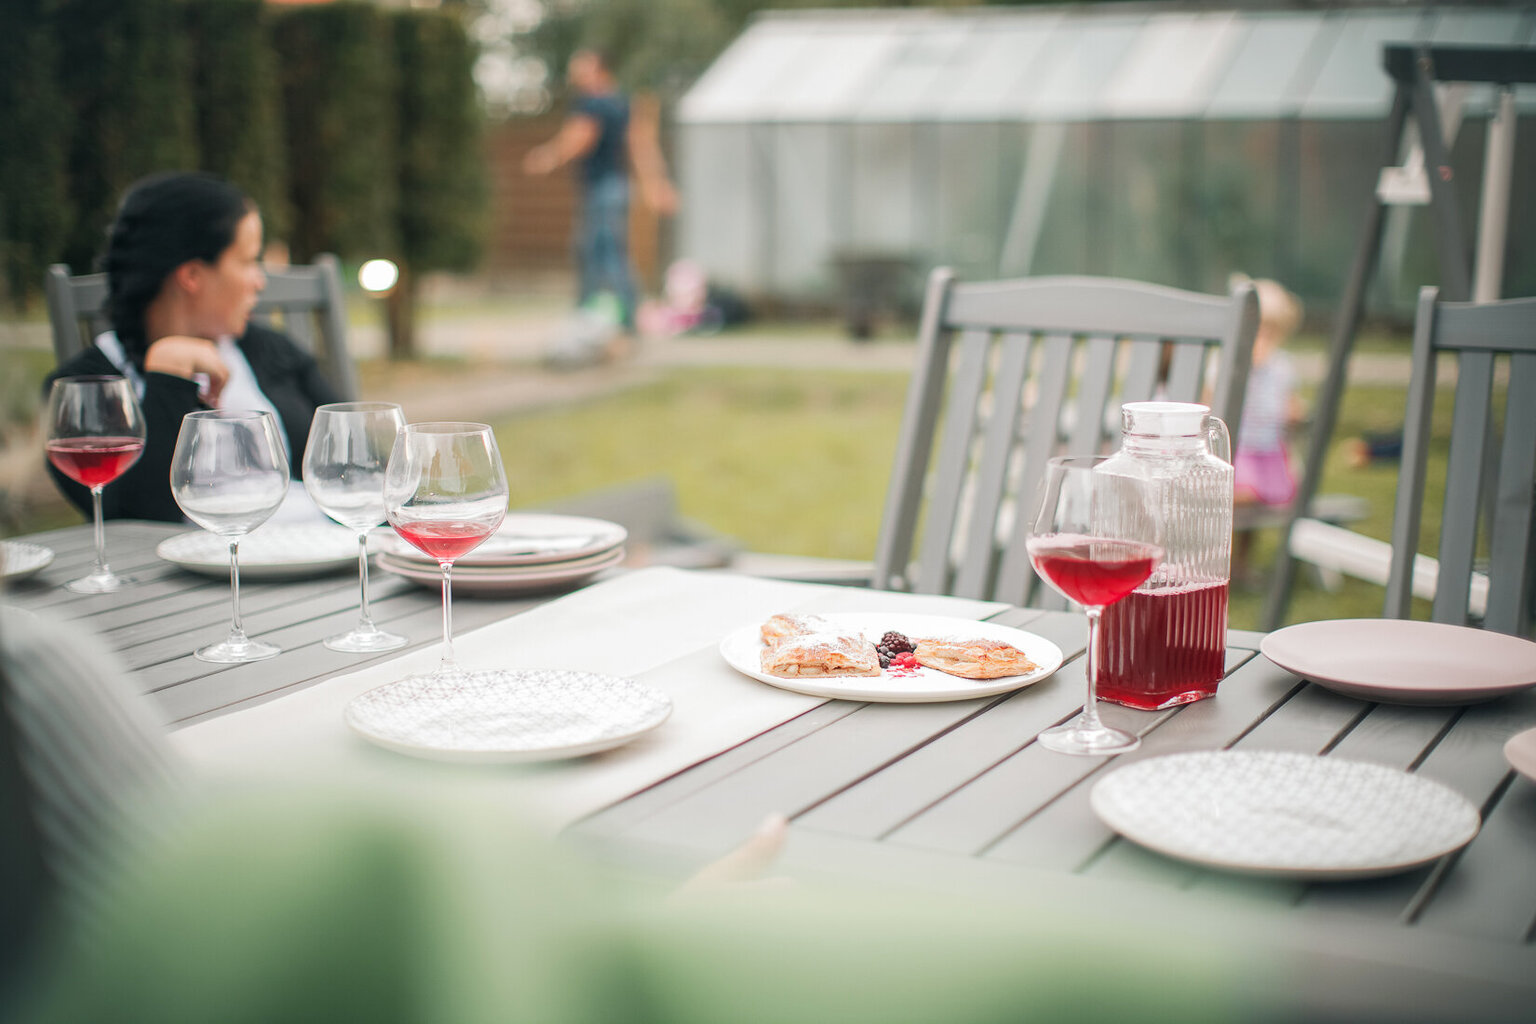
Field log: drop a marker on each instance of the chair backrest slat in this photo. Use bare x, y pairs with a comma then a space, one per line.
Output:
1509, 549
1093, 390
1408, 509
305, 302
967, 382
974, 578
1141, 374
914, 440
1489, 479
1186, 375
1096, 342
1016, 574
1463, 485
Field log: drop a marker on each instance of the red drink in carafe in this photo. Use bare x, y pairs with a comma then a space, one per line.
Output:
1162, 647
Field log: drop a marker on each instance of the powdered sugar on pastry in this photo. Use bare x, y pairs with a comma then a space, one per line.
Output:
972, 659
787, 624
821, 654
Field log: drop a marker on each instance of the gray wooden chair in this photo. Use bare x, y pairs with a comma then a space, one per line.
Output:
1010, 373
305, 302
1488, 482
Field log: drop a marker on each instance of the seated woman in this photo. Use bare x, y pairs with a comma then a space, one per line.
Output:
183, 266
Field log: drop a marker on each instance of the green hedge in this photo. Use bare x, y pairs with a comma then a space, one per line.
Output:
301, 106
33, 200
239, 103
125, 72
338, 85
442, 182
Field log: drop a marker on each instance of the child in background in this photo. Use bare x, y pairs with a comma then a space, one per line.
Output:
1264, 475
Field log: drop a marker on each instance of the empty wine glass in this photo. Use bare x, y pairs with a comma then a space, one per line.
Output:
1095, 538
344, 462
95, 431
229, 474
445, 492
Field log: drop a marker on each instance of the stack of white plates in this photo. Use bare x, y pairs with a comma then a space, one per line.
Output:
530, 552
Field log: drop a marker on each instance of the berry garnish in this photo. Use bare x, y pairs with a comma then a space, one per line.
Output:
890, 645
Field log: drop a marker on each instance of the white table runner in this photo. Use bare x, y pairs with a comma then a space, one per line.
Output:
646, 623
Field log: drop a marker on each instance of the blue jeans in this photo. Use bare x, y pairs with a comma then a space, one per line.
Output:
602, 243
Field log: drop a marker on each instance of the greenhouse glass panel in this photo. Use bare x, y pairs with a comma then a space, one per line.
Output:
882, 197
1351, 82
830, 81
1083, 54
1262, 79
1169, 70
1064, 243
720, 225
916, 74
803, 202
979, 167
740, 85
1004, 66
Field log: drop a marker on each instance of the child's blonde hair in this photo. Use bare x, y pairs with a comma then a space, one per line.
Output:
1279, 310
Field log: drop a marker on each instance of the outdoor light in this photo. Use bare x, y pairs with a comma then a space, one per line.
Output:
378, 276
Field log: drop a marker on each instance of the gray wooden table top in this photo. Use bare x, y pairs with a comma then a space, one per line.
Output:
954, 790
157, 623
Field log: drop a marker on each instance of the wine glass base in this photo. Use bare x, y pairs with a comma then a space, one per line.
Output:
234, 652
365, 641
99, 583
1072, 738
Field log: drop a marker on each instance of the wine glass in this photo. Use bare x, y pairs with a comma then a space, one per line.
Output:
1096, 537
349, 446
445, 492
95, 431
229, 474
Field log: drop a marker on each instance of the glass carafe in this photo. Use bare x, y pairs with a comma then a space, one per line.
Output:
1165, 644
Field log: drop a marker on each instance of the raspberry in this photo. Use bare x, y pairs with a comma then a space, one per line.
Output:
890, 645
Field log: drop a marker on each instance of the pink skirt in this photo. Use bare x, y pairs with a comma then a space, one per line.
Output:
1264, 476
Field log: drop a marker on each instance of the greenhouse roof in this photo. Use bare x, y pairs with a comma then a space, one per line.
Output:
1079, 63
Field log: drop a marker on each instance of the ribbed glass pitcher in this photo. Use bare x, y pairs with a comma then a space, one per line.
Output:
1165, 644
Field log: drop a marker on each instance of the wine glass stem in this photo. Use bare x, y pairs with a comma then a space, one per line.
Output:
236, 627
364, 621
447, 615
101, 533
1090, 718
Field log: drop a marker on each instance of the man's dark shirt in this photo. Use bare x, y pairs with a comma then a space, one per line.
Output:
611, 112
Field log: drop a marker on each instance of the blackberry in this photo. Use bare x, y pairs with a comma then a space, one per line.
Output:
890, 645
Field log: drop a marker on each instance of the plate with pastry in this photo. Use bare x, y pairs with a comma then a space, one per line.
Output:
889, 658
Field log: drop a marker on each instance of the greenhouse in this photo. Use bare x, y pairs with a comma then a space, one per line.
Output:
1158, 143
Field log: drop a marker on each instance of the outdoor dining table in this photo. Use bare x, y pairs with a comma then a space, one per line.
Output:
949, 796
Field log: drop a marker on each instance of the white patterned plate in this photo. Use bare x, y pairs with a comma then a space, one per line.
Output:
19, 559
1274, 813
271, 552
1400, 661
743, 650
1520, 752
525, 539
473, 580
504, 716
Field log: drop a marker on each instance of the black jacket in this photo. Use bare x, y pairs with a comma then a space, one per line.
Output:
289, 378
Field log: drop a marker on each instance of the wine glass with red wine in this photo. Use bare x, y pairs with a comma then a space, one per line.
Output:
1096, 537
95, 432
445, 492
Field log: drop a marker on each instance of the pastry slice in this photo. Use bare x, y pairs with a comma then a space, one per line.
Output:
812, 655
786, 624
972, 659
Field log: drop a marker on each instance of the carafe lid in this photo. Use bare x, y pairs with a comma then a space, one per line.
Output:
1164, 419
